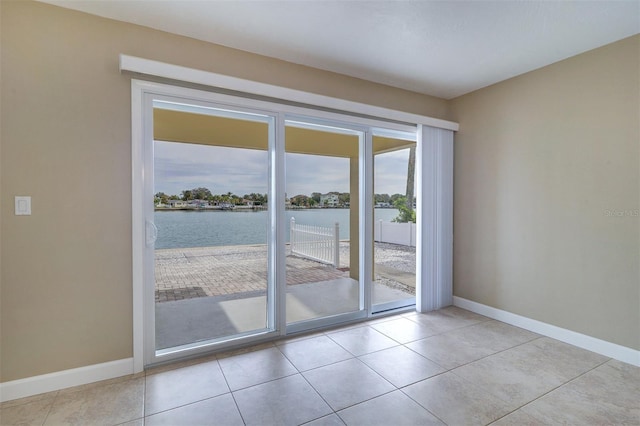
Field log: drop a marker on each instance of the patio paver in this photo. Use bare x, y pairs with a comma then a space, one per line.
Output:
193, 272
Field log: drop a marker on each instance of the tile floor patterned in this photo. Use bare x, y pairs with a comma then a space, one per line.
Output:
448, 367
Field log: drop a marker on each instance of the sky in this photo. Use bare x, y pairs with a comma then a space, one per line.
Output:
181, 166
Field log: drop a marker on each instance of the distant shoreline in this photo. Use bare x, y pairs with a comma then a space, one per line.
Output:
246, 208
208, 209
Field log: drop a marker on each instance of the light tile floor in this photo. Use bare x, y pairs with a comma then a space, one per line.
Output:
445, 367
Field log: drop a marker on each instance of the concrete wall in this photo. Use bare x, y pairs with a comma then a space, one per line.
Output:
66, 122
547, 187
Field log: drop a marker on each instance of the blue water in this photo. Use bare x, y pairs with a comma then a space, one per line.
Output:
178, 229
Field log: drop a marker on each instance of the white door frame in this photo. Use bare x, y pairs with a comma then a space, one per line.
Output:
365, 218
434, 173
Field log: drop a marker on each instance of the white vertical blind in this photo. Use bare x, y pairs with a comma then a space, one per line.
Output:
435, 218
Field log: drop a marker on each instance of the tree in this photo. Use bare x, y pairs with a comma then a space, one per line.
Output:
316, 197
411, 173
300, 200
232, 198
187, 195
161, 198
256, 198
394, 198
406, 214
201, 193
382, 198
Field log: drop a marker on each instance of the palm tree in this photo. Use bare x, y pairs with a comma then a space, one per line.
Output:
411, 173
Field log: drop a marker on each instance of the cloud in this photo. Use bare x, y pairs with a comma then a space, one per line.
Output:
390, 175
180, 166
316, 173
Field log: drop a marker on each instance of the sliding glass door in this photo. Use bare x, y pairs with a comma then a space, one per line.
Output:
323, 217
258, 223
211, 173
394, 229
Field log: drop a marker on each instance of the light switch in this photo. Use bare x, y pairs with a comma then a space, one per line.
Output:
23, 206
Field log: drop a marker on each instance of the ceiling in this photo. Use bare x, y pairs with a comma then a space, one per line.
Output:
204, 129
439, 48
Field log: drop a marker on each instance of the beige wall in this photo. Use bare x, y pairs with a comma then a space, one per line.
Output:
65, 109
539, 161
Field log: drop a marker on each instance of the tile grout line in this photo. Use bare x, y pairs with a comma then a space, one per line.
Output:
237, 407
312, 387
377, 350
352, 405
536, 398
235, 401
450, 370
555, 388
53, 401
409, 396
366, 400
181, 406
261, 383
479, 359
485, 357
144, 398
320, 395
191, 402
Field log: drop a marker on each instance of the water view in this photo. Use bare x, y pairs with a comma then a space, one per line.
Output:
178, 229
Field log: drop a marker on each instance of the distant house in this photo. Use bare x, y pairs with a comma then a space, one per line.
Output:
175, 204
329, 200
198, 204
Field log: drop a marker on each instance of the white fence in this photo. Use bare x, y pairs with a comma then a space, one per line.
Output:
395, 233
318, 243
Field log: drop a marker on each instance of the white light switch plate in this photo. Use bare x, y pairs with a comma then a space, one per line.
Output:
23, 206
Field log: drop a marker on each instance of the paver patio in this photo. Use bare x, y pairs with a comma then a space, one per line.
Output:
186, 273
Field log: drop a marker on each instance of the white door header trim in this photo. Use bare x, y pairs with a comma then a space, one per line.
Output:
176, 72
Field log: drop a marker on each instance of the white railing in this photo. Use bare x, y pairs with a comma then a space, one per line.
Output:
318, 243
395, 233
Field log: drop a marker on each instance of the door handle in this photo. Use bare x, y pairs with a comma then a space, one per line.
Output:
151, 233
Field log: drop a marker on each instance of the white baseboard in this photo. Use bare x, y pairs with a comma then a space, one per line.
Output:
64, 379
602, 347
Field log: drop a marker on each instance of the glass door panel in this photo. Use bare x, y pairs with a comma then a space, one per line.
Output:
323, 217
394, 256
211, 180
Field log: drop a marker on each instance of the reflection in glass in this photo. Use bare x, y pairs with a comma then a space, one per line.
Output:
322, 264
394, 225
211, 253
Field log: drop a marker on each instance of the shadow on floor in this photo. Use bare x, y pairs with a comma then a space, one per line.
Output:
204, 318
